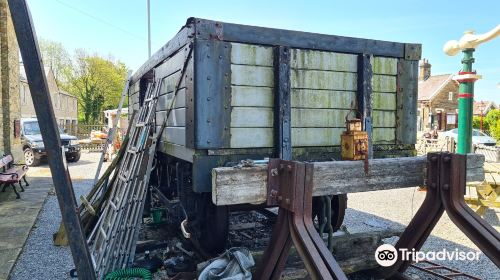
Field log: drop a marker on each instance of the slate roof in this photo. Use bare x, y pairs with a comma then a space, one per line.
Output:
429, 88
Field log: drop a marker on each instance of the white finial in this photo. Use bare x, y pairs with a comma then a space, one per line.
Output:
469, 41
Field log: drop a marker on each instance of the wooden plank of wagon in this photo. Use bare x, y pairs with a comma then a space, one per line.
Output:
249, 184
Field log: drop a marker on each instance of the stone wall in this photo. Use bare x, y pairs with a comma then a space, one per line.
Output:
441, 102
9, 73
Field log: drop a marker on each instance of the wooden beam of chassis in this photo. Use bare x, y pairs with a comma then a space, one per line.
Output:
232, 185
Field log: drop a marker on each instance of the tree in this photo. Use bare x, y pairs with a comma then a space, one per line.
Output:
55, 56
493, 120
98, 84
476, 123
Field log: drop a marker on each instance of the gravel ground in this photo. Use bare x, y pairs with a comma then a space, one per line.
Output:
39, 258
394, 208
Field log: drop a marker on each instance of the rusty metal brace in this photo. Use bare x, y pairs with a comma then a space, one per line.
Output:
446, 174
291, 188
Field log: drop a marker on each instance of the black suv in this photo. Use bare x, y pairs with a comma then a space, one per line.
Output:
33, 148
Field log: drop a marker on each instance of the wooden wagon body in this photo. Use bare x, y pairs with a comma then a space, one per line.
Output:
252, 93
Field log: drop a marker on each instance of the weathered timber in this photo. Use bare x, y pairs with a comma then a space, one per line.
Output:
354, 252
249, 185
384, 135
181, 39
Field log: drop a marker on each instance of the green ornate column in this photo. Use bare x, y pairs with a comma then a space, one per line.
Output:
467, 44
466, 78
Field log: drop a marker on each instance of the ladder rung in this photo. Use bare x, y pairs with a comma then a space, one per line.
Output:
123, 178
103, 233
133, 150
113, 205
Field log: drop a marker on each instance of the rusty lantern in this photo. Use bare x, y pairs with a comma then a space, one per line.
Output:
354, 141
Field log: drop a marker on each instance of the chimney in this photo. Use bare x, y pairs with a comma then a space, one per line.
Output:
425, 70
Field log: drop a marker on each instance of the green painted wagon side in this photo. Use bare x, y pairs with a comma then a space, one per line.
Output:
226, 110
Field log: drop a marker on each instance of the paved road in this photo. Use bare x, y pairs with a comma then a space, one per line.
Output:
17, 217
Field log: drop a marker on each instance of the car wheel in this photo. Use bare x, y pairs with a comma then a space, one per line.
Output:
75, 158
29, 158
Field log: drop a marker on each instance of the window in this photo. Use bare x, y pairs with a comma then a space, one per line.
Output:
477, 133
450, 118
450, 95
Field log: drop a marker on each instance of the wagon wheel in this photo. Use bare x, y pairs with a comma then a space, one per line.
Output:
213, 226
338, 207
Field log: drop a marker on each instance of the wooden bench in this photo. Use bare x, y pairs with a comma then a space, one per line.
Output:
12, 174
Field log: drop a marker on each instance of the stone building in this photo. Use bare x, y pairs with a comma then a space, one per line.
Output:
482, 108
65, 105
10, 142
437, 100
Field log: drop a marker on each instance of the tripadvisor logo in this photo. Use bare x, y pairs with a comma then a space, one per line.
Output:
386, 255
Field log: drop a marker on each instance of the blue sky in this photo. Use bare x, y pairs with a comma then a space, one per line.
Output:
119, 27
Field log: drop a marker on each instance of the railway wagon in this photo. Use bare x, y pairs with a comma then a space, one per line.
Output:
238, 92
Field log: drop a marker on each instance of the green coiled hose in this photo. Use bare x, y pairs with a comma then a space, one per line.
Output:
127, 273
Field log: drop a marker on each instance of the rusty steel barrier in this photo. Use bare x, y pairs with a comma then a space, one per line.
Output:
290, 187
446, 188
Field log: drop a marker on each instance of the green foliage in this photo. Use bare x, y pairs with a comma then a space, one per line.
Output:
493, 120
491, 123
476, 123
98, 84
55, 56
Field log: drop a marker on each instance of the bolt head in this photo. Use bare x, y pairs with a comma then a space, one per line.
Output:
274, 172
